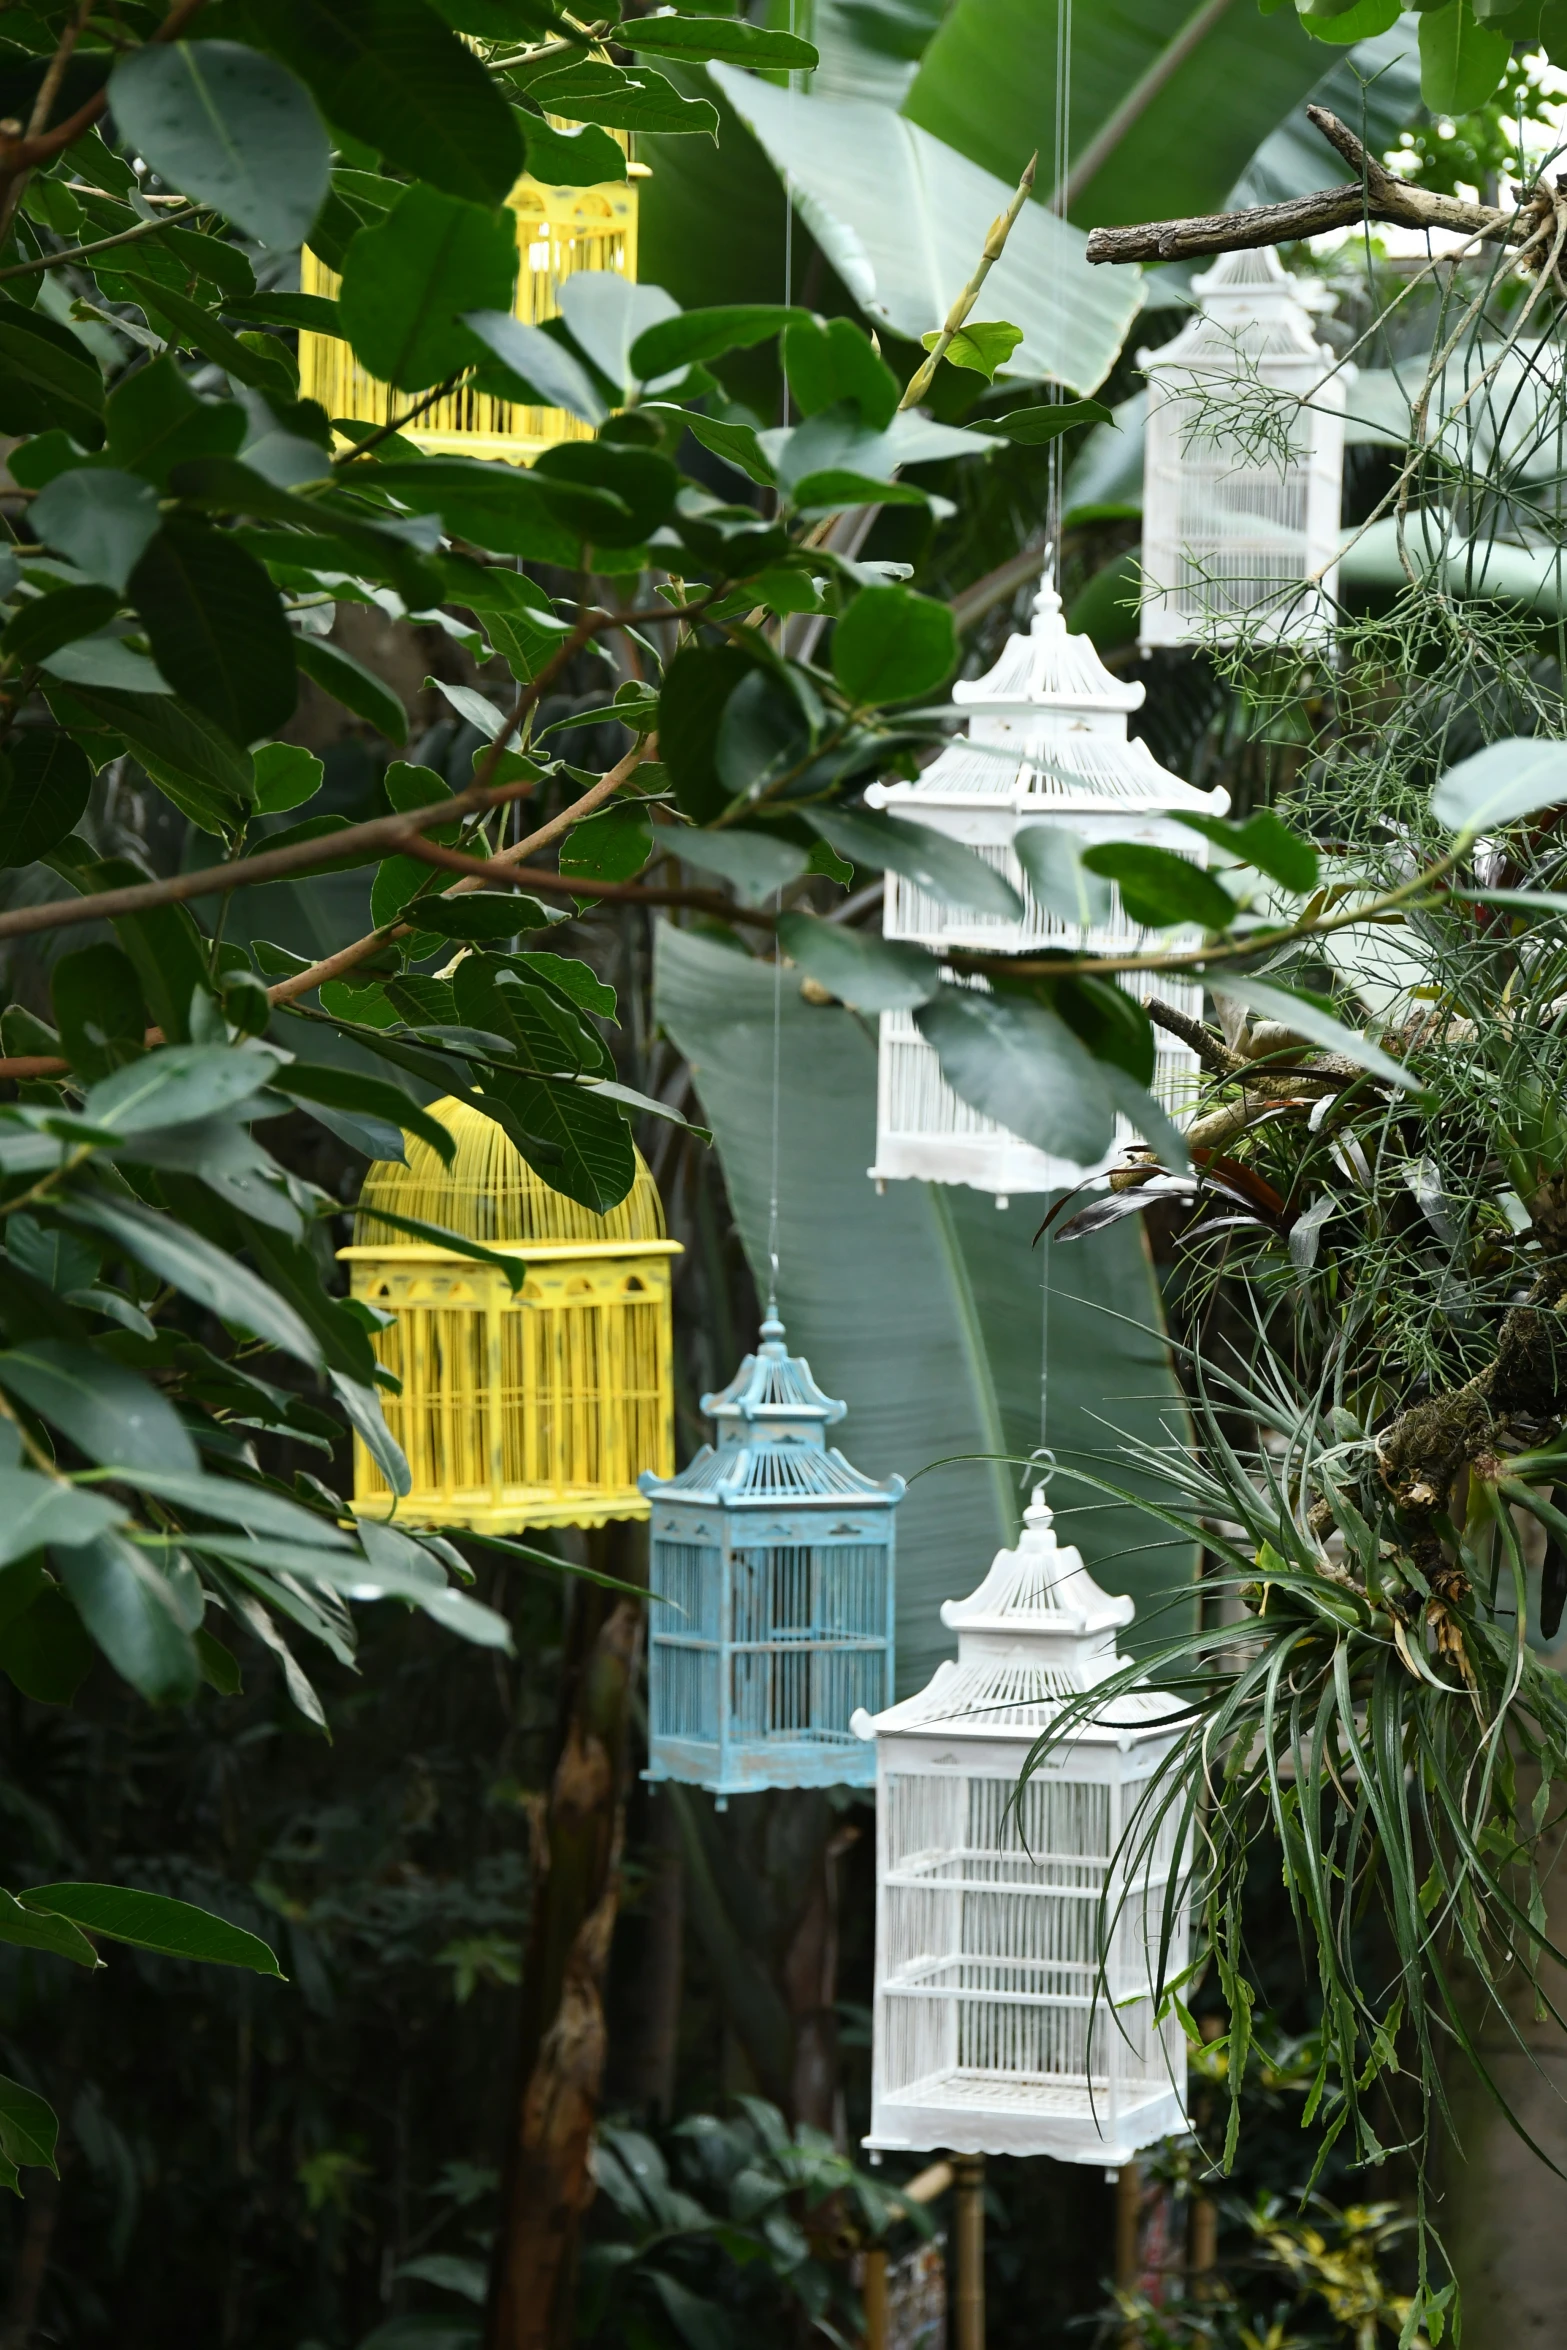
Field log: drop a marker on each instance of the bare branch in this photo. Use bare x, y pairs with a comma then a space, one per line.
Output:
1375, 194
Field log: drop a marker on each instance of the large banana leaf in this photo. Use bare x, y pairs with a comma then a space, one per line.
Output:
903, 219
986, 85
923, 1309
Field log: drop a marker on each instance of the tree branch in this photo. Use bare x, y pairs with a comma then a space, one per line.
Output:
480, 873
20, 154
1375, 194
126, 236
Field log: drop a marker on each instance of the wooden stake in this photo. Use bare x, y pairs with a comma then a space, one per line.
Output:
968, 2229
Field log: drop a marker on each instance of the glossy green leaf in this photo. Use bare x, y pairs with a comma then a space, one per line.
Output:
1020, 1064
98, 1009
622, 98
229, 127
258, 359
483, 916
362, 1407
578, 1142
981, 348
106, 1411
584, 158
1506, 780
391, 73
893, 645
1159, 888
945, 868
555, 373
698, 335
151, 1921
45, 1651
613, 845
1264, 841
207, 1274
1461, 60
406, 281
45, 783
236, 1502
644, 482
695, 40
36, 1511
130, 1611
28, 2126
1033, 428
755, 864
181, 1083
829, 361
100, 519
25, 1930
868, 973
1052, 857
216, 628
348, 681
353, 1089
41, 624
47, 377
201, 768
440, 1236
286, 776
1310, 1018
736, 443
696, 690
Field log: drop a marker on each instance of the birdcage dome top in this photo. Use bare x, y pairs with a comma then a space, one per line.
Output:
1251, 307
1036, 1633
490, 1193
1048, 666
771, 1447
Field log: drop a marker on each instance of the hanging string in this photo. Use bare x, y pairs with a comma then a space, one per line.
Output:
1062, 165
772, 1202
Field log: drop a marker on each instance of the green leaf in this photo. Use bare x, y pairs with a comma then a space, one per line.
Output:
1020, 1064
406, 280
348, 681
1265, 842
645, 483
378, 1097
871, 974
216, 628
1307, 1016
164, 943
320, 534
45, 1651
438, 1235
893, 645
392, 74
1052, 857
559, 378
698, 335
829, 361
36, 1511
613, 845
44, 622
28, 2126
101, 519
755, 864
45, 784
200, 768
151, 1921
229, 127
945, 868
219, 1665
695, 693
155, 420
98, 1009
695, 40
1362, 21
586, 1152
47, 377
1508, 779
1461, 61
981, 348
1031, 428
482, 916
1159, 888
130, 1611
737, 444
585, 158
622, 98
178, 1084
260, 362
207, 1274
108, 1413
24, 1931
286, 776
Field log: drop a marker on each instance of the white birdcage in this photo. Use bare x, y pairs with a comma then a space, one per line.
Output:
1016, 1936
1243, 466
1046, 744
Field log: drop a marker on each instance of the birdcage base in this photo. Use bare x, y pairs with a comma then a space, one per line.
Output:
515, 1513
823, 1761
970, 2112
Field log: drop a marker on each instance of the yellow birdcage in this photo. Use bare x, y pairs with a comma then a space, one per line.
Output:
559, 231
536, 1409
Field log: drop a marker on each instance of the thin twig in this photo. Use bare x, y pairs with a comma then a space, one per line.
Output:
384, 432
73, 253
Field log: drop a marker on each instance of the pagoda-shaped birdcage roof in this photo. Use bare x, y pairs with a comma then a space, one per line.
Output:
1047, 730
1037, 1633
772, 1449
1250, 307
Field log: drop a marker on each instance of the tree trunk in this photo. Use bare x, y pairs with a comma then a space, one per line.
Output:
547, 2183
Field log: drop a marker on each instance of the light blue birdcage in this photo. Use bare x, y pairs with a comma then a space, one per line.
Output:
772, 1570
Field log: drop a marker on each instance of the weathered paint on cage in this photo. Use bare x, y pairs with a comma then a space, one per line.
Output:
559, 231
1015, 1932
773, 1560
539, 1409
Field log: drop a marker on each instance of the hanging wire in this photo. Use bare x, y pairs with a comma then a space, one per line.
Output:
772, 1202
